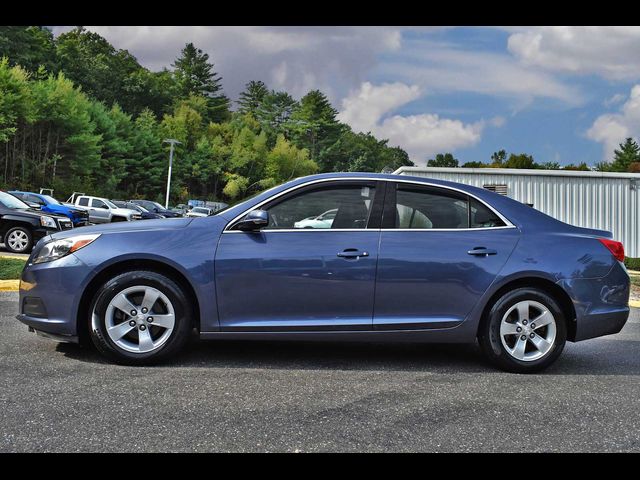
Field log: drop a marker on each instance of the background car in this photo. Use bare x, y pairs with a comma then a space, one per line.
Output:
48, 204
146, 214
21, 227
102, 210
323, 220
406, 259
200, 212
155, 207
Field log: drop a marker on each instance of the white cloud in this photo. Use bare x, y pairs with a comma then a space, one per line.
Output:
612, 128
614, 100
445, 68
364, 107
612, 52
420, 135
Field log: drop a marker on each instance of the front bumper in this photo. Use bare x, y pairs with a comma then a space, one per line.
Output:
57, 286
601, 304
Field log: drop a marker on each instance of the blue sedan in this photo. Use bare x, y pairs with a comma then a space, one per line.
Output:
404, 259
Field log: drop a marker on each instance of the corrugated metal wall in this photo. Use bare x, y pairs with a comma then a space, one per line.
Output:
590, 200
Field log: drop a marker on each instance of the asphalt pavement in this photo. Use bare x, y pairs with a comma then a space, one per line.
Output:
307, 397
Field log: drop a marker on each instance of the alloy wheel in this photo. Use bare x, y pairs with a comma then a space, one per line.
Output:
140, 319
528, 330
18, 240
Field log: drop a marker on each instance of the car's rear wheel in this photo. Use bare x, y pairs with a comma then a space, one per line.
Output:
18, 240
140, 318
524, 332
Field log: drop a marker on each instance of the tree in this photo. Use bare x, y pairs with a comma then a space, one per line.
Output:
521, 160
498, 158
252, 97
628, 153
580, 167
29, 47
195, 76
274, 113
313, 125
551, 166
91, 62
474, 164
443, 160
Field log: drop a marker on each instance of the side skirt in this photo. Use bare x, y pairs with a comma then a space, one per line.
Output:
443, 335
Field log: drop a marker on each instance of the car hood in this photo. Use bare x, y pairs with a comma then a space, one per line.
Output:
35, 213
119, 227
124, 211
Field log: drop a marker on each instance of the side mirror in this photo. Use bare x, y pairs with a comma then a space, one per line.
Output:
253, 221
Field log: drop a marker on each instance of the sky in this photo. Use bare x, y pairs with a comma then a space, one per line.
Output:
561, 94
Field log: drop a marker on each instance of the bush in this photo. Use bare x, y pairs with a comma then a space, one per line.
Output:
632, 263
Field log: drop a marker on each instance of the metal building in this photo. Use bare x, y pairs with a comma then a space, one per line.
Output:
603, 200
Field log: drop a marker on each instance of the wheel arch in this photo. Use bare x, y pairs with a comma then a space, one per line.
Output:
127, 266
549, 287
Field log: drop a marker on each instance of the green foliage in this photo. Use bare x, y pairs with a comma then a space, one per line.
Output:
76, 114
29, 47
632, 263
251, 99
628, 153
443, 160
521, 160
473, 165
195, 76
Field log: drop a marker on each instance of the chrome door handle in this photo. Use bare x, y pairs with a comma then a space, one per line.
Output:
352, 253
481, 251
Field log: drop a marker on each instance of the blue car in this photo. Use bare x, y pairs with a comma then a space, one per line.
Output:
404, 259
50, 205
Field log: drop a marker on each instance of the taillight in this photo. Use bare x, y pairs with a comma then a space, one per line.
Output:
616, 248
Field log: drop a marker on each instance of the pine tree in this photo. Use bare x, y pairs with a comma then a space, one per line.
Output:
252, 97
195, 76
629, 153
313, 124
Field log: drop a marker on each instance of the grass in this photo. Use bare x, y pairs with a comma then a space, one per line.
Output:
10, 268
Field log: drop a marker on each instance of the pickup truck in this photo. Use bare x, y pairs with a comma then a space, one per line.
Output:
102, 210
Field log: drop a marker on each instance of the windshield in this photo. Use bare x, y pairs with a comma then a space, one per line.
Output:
50, 199
110, 204
201, 210
9, 201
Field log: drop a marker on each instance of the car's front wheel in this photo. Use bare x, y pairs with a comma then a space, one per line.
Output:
524, 332
18, 240
140, 318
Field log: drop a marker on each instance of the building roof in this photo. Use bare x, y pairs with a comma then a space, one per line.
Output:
516, 171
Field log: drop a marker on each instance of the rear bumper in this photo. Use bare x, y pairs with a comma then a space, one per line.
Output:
601, 304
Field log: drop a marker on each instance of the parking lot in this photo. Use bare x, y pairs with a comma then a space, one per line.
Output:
235, 396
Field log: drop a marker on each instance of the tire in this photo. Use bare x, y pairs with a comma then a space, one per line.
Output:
129, 345
18, 240
118, 219
501, 341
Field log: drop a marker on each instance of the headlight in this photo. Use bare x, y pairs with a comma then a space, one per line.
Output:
56, 249
48, 222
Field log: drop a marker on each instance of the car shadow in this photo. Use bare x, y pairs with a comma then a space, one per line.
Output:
593, 357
